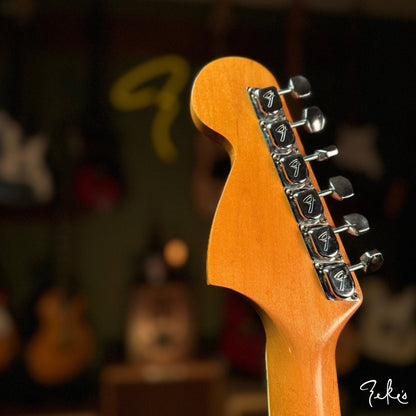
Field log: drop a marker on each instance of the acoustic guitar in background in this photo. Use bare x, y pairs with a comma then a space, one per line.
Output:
273, 239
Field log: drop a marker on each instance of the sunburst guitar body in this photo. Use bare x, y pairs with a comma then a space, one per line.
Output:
272, 243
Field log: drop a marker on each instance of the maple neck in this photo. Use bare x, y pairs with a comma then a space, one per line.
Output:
258, 249
301, 374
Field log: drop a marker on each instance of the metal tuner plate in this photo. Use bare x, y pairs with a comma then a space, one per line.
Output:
294, 168
309, 204
281, 134
269, 100
340, 280
324, 242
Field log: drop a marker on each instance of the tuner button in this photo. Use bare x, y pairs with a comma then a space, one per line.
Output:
281, 134
309, 204
324, 242
322, 154
340, 281
355, 224
312, 119
269, 100
315, 120
370, 262
340, 188
299, 86
294, 168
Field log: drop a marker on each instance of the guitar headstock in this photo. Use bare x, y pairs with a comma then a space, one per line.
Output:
273, 238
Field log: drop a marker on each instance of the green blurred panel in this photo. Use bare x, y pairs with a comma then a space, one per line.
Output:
24, 247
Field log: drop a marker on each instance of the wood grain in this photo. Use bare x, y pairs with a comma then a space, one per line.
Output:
256, 248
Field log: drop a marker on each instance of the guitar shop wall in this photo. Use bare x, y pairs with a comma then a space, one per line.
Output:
97, 156
101, 167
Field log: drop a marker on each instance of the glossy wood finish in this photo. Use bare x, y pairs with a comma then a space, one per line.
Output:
256, 248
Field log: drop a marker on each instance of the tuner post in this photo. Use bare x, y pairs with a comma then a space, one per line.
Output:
298, 86
354, 224
322, 154
370, 262
312, 119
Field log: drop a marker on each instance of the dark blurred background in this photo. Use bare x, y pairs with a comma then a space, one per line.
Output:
108, 191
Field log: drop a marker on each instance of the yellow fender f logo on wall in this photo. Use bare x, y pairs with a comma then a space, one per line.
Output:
125, 95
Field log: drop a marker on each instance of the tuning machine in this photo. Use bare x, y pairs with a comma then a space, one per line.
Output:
312, 120
322, 154
338, 276
281, 133
339, 188
340, 283
370, 262
306, 202
354, 224
298, 86
268, 99
322, 238
308, 199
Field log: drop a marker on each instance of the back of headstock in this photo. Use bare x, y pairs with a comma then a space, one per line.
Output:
273, 238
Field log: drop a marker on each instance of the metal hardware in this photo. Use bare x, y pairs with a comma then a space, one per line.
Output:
355, 224
324, 241
281, 134
370, 262
308, 204
268, 100
340, 280
320, 238
294, 168
322, 154
313, 120
339, 188
298, 86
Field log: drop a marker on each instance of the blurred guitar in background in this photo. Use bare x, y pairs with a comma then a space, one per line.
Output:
62, 346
